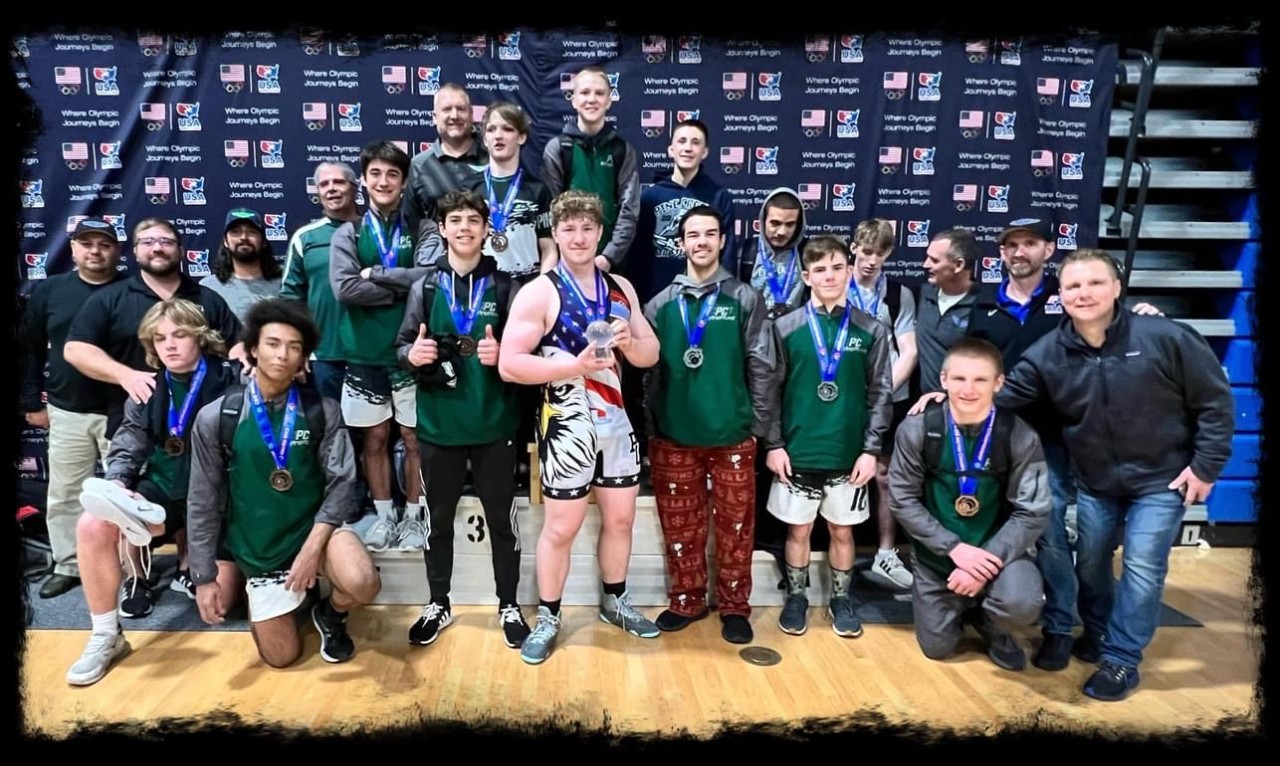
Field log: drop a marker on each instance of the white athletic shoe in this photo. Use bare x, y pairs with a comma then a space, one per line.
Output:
99, 655
110, 502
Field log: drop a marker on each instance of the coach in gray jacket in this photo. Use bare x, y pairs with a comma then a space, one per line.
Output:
1148, 420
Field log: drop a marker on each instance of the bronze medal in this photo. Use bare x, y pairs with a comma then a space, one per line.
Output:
466, 345
967, 505
281, 480
174, 446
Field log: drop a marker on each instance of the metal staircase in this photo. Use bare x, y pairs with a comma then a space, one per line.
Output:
1180, 208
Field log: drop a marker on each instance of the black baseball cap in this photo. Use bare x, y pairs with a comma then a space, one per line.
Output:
94, 225
1036, 227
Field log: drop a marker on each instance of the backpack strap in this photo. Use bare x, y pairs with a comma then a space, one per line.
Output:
935, 426
566, 160
229, 417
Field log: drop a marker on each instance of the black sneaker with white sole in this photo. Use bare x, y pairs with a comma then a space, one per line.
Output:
435, 618
514, 629
335, 643
137, 598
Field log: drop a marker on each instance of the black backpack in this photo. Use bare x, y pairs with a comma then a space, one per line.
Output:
233, 403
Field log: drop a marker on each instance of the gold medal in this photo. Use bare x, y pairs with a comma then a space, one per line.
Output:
967, 505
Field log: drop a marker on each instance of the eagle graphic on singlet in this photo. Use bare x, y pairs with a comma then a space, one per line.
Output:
576, 410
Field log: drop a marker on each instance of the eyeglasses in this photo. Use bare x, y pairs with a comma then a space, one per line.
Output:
150, 241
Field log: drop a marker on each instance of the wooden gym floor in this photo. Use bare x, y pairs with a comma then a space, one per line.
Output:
691, 682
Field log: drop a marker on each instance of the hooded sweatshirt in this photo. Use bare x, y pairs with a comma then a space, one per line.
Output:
752, 270
656, 257
593, 167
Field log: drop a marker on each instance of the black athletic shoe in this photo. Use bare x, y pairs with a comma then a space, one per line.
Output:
514, 629
335, 644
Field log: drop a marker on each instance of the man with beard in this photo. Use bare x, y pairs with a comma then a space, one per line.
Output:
453, 163
76, 413
306, 272
245, 270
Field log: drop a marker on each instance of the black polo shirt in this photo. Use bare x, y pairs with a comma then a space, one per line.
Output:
110, 319
50, 310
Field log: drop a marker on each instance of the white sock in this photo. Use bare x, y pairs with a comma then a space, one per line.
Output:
884, 553
107, 624
385, 509
413, 511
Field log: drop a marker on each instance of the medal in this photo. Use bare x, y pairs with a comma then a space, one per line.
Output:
281, 480
967, 503
464, 318
596, 313
693, 356
779, 287
500, 216
386, 254
179, 419
828, 364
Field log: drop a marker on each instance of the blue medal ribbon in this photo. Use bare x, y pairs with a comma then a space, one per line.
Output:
855, 292
694, 334
969, 484
279, 450
781, 291
179, 419
499, 216
386, 254
463, 318
828, 364
598, 309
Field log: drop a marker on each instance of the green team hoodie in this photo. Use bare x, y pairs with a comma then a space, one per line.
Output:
480, 407
306, 278
722, 402
828, 436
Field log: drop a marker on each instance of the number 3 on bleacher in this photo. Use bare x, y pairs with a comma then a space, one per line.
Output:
477, 522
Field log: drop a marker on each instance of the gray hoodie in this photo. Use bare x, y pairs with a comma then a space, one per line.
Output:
751, 271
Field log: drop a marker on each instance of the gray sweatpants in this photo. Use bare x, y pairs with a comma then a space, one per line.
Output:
1011, 601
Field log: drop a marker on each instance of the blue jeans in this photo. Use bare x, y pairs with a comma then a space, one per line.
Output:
1053, 554
1124, 615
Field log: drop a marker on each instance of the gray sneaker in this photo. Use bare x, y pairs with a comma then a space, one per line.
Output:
382, 535
794, 615
617, 610
537, 647
101, 653
890, 572
411, 535
844, 617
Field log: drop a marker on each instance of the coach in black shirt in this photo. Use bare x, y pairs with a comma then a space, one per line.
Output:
76, 413
103, 340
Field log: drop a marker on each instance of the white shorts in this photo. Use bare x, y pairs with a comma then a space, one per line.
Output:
373, 395
823, 492
269, 598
